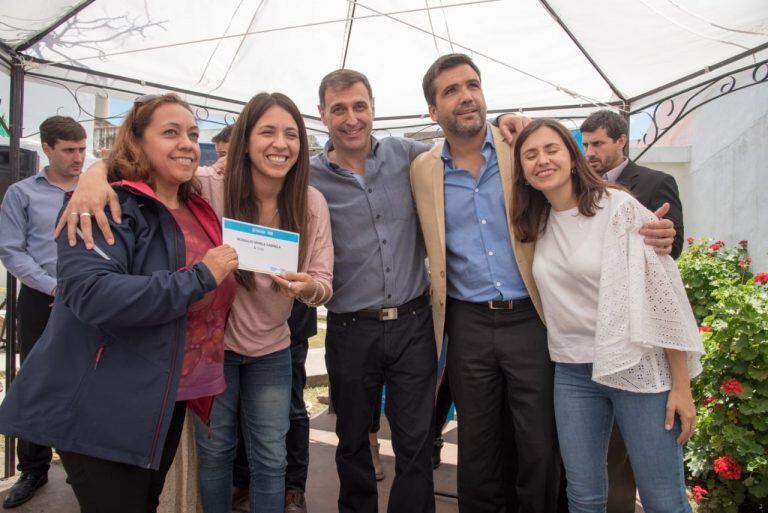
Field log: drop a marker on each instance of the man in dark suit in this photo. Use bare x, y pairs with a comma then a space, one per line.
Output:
605, 137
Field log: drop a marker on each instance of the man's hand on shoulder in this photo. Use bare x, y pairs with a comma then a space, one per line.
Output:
511, 125
660, 234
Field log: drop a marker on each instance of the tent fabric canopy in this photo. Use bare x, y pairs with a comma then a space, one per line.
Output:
551, 56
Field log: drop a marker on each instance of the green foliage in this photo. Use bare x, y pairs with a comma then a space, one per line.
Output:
705, 269
732, 418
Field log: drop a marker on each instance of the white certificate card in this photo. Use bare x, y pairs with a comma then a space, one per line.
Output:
260, 248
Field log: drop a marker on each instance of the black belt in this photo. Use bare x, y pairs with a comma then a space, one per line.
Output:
511, 304
387, 314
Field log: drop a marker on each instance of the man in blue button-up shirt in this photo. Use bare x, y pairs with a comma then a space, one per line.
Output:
27, 217
497, 359
485, 300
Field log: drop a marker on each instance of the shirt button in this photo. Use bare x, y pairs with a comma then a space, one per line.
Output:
490, 253
378, 216
389, 296
498, 284
370, 190
384, 241
442, 274
387, 269
483, 221
477, 190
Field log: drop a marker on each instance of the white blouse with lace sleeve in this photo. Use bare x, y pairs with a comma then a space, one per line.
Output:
642, 307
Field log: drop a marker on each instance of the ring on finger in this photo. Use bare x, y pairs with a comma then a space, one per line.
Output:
85, 214
290, 285
74, 214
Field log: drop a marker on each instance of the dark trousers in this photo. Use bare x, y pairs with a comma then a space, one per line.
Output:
361, 355
103, 486
297, 440
376, 424
34, 310
498, 360
442, 405
621, 479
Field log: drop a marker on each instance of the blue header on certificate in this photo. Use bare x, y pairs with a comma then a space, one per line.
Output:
260, 248
264, 231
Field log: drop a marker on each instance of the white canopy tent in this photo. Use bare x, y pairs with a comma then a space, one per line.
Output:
559, 58
542, 56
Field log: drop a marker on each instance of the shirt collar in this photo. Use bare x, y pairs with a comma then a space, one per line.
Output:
43, 175
329, 146
614, 174
487, 143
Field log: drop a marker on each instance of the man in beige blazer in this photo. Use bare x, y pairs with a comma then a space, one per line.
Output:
485, 302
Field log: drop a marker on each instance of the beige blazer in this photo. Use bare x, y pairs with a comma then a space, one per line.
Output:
427, 184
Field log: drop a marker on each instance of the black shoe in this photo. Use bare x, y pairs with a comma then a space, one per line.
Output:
24, 489
436, 452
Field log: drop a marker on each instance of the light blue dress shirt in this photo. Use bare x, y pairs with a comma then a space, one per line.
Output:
28, 216
479, 257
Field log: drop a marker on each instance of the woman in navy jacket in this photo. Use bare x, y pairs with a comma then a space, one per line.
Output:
102, 385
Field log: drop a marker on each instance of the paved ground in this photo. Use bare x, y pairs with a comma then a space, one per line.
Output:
322, 484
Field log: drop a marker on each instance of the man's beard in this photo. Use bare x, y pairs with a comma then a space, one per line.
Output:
454, 126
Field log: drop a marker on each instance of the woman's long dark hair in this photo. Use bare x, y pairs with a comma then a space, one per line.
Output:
240, 199
530, 208
127, 160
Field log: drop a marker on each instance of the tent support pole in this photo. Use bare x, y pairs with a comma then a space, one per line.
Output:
15, 122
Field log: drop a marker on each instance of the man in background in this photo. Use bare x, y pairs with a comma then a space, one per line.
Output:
221, 141
28, 215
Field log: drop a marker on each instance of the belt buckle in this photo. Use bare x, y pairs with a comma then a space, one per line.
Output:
503, 305
388, 314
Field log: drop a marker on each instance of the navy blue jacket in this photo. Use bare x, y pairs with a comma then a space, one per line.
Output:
102, 379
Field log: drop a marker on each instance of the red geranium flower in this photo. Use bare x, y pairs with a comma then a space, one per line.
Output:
743, 243
698, 493
690, 240
761, 278
727, 468
704, 328
749, 259
710, 399
714, 246
742, 263
732, 386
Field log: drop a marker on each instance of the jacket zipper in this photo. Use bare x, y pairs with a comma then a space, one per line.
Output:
174, 354
99, 353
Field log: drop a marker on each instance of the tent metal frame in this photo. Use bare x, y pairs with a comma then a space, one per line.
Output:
14, 59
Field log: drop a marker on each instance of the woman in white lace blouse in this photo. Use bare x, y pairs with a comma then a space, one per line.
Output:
620, 328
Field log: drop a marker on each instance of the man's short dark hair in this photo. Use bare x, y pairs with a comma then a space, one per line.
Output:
615, 125
342, 79
61, 128
443, 63
223, 136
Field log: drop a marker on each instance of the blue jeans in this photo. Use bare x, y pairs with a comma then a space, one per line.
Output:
585, 411
260, 387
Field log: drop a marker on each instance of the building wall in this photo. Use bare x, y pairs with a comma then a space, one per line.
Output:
723, 185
